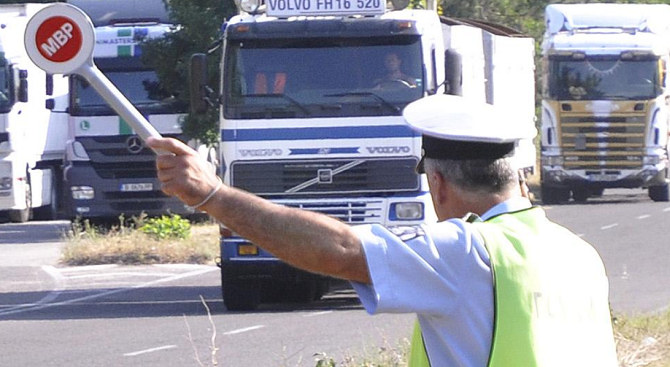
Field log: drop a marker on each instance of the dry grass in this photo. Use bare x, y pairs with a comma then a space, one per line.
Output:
643, 340
127, 246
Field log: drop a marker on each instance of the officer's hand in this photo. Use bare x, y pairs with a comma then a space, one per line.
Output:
183, 173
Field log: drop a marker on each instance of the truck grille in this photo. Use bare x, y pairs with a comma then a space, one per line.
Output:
344, 176
353, 212
613, 142
111, 158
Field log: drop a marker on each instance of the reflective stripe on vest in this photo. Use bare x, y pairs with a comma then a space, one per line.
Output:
550, 294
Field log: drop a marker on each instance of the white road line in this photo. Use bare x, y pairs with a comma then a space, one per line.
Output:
644, 216
133, 354
610, 226
244, 330
76, 269
107, 293
318, 313
666, 210
120, 274
52, 295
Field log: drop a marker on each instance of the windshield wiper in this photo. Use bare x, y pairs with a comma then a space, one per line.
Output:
365, 94
280, 95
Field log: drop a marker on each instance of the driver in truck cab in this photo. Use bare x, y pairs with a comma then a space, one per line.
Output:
394, 74
493, 283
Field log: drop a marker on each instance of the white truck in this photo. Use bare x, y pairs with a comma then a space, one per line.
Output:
108, 170
605, 100
311, 117
33, 124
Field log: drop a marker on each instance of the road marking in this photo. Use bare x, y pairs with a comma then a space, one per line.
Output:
133, 354
317, 313
34, 307
645, 216
244, 330
666, 210
112, 275
76, 269
610, 226
52, 295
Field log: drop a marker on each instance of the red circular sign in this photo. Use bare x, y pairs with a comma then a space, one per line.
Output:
58, 39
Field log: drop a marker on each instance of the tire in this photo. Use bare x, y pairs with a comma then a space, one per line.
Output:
300, 292
23, 215
581, 195
49, 211
596, 193
659, 193
240, 294
552, 195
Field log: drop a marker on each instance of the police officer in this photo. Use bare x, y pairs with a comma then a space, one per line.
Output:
494, 282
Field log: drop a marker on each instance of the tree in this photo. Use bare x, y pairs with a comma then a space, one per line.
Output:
199, 27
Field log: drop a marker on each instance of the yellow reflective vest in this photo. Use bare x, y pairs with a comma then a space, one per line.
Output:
550, 294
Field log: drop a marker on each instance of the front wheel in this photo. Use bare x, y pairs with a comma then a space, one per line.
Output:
552, 195
240, 294
659, 193
23, 215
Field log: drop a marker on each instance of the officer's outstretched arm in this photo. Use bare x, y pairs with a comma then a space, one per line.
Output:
307, 240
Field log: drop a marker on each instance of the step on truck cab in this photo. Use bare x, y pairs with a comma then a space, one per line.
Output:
605, 100
33, 124
108, 170
311, 117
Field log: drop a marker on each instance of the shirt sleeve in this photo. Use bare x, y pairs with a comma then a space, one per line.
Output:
424, 272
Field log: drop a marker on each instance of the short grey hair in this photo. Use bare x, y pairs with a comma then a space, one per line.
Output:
494, 176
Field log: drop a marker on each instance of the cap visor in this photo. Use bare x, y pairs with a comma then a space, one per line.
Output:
419, 167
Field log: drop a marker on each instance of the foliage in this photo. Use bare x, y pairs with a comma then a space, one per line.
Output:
167, 226
199, 28
123, 243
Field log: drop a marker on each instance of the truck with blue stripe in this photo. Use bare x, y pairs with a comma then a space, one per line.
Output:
108, 170
311, 117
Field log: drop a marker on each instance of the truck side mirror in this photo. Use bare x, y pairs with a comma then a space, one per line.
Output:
453, 70
23, 85
198, 83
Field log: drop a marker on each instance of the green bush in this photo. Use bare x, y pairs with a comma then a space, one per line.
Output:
172, 226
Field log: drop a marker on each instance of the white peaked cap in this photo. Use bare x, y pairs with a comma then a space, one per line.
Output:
450, 117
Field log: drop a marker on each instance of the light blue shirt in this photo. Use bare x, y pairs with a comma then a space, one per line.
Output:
442, 273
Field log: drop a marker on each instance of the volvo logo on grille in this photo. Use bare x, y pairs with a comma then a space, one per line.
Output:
325, 176
134, 144
388, 150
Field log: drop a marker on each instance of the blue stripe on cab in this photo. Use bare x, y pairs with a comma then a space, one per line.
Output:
324, 151
339, 132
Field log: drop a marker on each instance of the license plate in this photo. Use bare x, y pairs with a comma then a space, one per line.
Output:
133, 187
603, 177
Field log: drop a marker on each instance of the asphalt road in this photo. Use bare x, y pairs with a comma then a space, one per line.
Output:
154, 316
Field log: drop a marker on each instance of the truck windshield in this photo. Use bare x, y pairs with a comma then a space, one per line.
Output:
321, 77
139, 85
603, 79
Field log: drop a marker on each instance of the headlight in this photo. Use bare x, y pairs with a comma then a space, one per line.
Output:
82, 192
651, 160
406, 211
5, 183
553, 160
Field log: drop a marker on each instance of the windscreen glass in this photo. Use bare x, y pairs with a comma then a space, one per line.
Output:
322, 77
604, 79
139, 86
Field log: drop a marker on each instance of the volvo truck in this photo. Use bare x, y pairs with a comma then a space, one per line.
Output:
311, 117
604, 100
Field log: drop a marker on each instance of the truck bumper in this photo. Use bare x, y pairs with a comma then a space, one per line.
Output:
112, 197
557, 177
